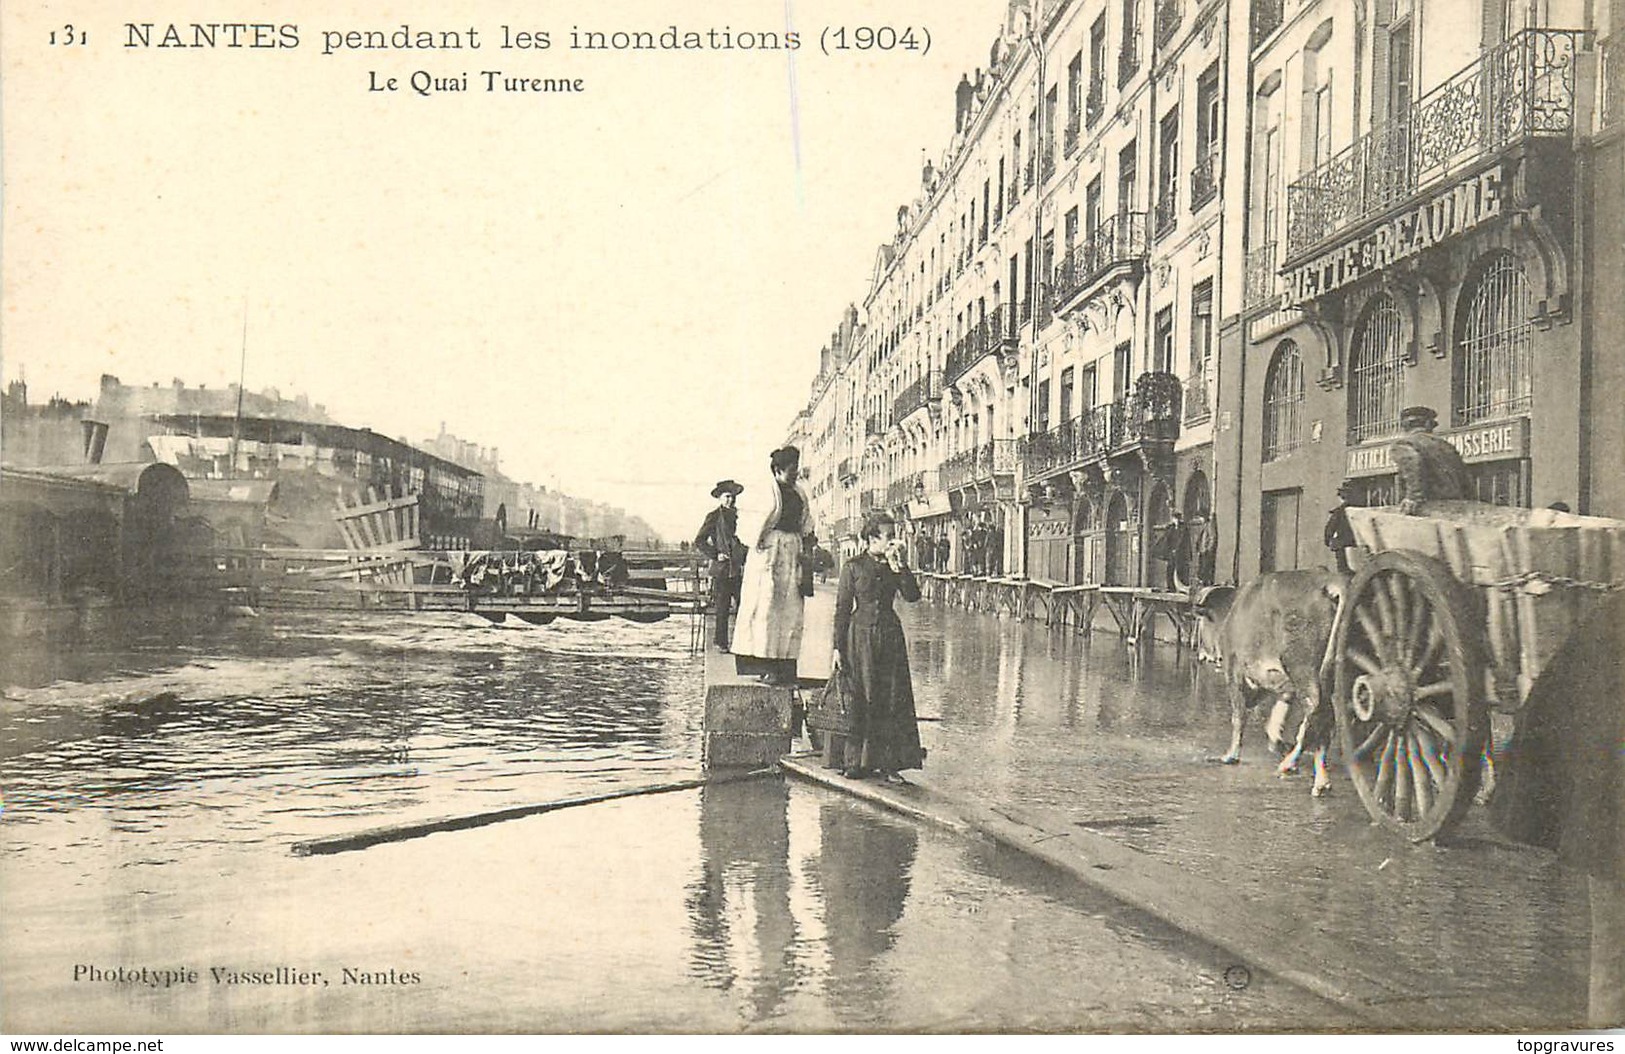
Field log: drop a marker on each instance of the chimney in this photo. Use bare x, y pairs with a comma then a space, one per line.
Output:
962, 100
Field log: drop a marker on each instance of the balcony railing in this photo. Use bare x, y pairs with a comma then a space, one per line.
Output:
1166, 212
1128, 60
1518, 90
1029, 172
848, 468
1015, 191
1094, 106
911, 399
1088, 437
1046, 164
1198, 407
1151, 412
874, 425
873, 499
1267, 15
1044, 307
1119, 240
1205, 180
1169, 14
979, 464
968, 351
1259, 284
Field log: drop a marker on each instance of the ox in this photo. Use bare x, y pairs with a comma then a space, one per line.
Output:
1273, 638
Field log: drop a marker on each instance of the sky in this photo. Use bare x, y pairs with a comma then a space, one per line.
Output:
625, 290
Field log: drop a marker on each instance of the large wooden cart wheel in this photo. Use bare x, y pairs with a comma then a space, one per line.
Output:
1409, 693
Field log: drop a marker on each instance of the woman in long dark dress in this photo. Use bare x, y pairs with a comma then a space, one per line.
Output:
872, 655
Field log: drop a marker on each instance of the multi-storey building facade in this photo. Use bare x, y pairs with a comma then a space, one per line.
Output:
1419, 224
1196, 256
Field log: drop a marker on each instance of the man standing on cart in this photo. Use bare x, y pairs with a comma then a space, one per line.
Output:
1430, 469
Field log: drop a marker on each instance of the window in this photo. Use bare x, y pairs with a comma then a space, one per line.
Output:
998, 198
1127, 175
1122, 366
1205, 176
1074, 102
1066, 395
1283, 402
1071, 228
1162, 348
1088, 388
1321, 125
1270, 174
1201, 326
1494, 367
1097, 70
1091, 211
1043, 406
1376, 372
1128, 57
1168, 171
1051, 105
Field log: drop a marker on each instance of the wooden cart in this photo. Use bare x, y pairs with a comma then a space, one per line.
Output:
1453, 611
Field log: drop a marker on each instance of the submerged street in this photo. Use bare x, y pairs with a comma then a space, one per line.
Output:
154, 786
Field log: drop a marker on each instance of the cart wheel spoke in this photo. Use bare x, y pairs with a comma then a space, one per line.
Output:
1374, 634
1363, 661
1434, 690
1393, 588
1421, 777
1433, 756
1385, 768
1370, 741
1434, 721
1387, 618
1402, 776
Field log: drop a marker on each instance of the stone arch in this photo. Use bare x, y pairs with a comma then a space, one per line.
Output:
1119, 530
1198, 499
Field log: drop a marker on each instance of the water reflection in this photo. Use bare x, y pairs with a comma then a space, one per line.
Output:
864, 869
739, 901
753, 935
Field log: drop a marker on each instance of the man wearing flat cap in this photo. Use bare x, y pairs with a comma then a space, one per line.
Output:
719, 542
1430, 469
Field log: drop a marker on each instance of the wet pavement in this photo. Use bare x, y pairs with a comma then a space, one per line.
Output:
1122, 742
155, 779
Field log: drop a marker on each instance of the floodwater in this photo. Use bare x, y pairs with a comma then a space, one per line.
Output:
154, 783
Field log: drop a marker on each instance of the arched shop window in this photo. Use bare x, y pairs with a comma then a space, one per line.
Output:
1494, 363
1283, 402
1376, 372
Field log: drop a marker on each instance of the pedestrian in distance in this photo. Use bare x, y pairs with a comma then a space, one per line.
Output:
771, 604
1429, 468
1204, 547
1339, 535
718, 541
872, 654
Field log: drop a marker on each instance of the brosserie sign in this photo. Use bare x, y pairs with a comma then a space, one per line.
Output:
1500, 441
1450, 212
